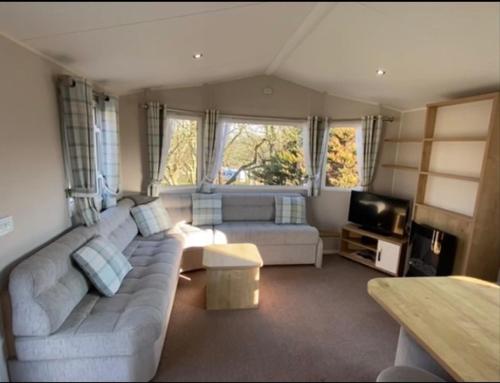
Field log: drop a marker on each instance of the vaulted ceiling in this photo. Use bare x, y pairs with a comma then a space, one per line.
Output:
430, 51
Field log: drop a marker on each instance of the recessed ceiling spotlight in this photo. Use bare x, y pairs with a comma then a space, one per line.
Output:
380, 72
198, 56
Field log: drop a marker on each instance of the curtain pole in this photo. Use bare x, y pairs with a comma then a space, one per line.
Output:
302, 119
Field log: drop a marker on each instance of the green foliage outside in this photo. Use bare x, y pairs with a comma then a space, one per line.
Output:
342, 164
263, 155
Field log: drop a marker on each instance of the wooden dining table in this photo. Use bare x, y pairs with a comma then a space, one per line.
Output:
455, 319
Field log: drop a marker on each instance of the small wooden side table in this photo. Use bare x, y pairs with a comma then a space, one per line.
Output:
233, 274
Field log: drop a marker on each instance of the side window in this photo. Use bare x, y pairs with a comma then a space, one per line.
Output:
182, 163
342, 162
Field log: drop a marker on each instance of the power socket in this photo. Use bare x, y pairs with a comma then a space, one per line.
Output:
6, 225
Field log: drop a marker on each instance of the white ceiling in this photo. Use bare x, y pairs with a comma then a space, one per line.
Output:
431, 51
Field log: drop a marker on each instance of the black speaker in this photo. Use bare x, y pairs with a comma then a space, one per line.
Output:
432, 251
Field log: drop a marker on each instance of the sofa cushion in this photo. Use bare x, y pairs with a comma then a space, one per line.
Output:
123, 324
193, 236
179, 206
151, 218
47, 286
117, 224
207, 209
237, 206
103, 264
290, 210
265, 233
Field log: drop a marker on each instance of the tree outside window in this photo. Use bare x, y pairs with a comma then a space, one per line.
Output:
181, 169
342, 163
263, 154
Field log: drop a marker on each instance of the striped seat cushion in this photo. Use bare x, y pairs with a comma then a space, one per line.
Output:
103, 264
151, 218
290, 210
207, 209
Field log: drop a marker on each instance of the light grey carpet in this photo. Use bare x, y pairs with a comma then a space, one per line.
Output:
312, 325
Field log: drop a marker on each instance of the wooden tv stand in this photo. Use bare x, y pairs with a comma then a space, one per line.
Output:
383, 253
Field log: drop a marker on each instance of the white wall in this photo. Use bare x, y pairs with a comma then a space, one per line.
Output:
245, 96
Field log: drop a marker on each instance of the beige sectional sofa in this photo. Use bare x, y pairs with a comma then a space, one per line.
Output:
65, 331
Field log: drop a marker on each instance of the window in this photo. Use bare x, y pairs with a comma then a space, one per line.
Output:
342, 161
260, 154
182, 162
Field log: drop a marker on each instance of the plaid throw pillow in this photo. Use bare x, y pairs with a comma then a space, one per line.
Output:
103, 264
151, 218
290, 210
207, 209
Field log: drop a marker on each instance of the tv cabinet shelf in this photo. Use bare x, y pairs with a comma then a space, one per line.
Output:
388, 251
358, 258
357, 242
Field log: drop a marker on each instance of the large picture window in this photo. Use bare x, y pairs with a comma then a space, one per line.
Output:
342, 161
257, 154
182, 162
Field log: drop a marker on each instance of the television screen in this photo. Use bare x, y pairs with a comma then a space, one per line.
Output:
385, 215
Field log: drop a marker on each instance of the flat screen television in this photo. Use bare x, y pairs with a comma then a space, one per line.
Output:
381, 214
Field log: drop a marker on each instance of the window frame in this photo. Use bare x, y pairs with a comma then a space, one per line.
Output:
342, 124
199, 119
302, 125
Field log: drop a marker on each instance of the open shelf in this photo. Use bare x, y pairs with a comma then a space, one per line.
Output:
455, 139
357, 242
445, 211
452, 176
404, 140
400, 167
358, 258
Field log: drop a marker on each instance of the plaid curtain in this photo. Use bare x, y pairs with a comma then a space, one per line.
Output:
371, 131
110, 150
214, 137
76, 103
159, 137
315, 149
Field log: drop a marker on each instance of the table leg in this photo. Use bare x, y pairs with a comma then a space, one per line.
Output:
411, 354
233, 289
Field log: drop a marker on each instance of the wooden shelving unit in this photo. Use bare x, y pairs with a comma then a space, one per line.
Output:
399, 141
404, 140
450, 213
478, 246
451, 176
400, 167
456, 139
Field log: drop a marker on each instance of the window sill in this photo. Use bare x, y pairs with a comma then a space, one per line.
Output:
245, 188
337, 189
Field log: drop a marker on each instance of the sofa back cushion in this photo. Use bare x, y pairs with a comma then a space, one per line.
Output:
250, 206
47, 286
236, 206
117, 224
179, 206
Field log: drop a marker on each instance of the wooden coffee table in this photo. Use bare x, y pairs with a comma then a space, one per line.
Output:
233, 273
